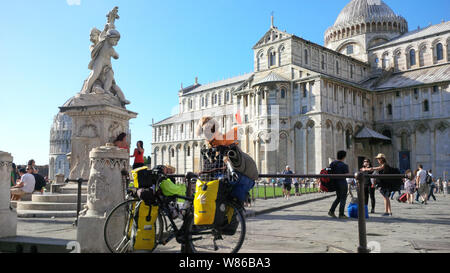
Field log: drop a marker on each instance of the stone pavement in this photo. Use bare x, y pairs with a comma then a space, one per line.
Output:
413, 228
301, 225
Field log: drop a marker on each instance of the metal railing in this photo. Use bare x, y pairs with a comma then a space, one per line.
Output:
79, 181
359, 177
360, 181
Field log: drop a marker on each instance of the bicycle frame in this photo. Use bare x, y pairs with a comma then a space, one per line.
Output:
177, 233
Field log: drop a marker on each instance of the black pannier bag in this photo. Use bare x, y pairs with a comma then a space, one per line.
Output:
144, 178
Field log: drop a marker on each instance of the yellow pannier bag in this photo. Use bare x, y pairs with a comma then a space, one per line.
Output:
209, 205
143, 229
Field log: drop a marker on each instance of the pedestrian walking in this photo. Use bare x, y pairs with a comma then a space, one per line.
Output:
421, 184
297, 190
369, 187
393, 194
432, 186
440, 185
417, 188
339, 167
410, 186
287, 183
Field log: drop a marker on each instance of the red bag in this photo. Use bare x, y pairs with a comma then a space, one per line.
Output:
327, 184
403, 198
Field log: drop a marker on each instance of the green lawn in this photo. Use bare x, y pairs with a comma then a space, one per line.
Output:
258, 191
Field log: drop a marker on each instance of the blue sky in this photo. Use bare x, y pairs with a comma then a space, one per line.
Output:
44, 53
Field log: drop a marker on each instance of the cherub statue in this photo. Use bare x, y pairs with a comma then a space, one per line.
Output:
101, 78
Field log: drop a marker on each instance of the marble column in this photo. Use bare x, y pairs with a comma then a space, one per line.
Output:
266, 157
305, 150
105, 191
257, 154
8, 218
258, 98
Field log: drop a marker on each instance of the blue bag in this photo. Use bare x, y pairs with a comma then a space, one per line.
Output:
353, 210
241, 187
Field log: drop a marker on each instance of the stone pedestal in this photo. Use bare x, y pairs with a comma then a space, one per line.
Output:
105, 191
59, 178
8, 218
97, 119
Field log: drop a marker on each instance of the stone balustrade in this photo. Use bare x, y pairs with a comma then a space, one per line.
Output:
8, 218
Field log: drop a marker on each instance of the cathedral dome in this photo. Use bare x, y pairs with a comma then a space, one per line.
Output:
358, 11
365, 16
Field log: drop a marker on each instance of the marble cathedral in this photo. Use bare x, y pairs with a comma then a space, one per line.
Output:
373, 87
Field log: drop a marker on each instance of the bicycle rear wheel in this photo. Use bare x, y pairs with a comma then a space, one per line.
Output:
117, 228
227, 238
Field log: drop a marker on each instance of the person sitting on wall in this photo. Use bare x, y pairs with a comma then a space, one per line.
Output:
121, 142
26, 184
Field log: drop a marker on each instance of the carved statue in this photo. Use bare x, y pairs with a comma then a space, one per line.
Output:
101, 79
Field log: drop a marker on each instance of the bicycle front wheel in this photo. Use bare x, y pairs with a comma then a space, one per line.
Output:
117, 228
227, 238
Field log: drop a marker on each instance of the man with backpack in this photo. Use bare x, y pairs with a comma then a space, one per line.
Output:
287, 183
339, 167
432, 184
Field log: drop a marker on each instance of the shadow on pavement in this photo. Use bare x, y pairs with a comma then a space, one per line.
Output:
387, 219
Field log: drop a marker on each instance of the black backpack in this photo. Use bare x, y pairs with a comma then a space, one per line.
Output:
40, 182
429, 179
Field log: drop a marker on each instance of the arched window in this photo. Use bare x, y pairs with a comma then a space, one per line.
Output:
412, 57
258, 61
305, 90
215, 98
271, 57
203, 101
306, 56
283, 93
173, 152
388, 134
351, 71
426, 106
337, 67
227, 96
439, 52
389, 109
190, 104
349, 49
385, 62
280, 53
348, 138
404, 142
